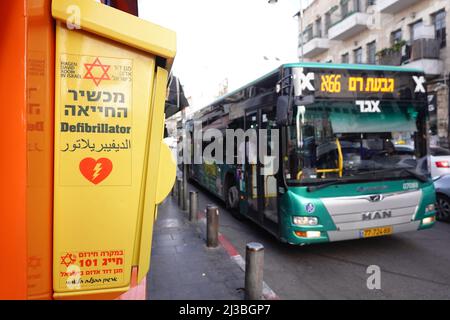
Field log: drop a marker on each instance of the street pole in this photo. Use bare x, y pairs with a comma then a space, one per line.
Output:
184, 203
301, 29
179, 192
184, 194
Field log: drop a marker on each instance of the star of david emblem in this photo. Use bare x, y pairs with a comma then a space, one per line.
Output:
90, 67
68, 259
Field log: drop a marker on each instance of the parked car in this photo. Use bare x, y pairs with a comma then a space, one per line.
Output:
442, 186
440, 171
440, 161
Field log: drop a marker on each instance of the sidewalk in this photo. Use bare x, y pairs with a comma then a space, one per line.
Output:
182, 267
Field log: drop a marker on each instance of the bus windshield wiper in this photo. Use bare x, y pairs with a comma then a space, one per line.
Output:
401, 170
359, 178
332, 183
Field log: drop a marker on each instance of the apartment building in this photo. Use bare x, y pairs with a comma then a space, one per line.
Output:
410, 33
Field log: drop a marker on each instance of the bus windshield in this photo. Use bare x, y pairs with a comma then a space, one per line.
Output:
337, 141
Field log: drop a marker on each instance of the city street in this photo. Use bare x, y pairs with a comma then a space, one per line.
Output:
225, 155
413, 265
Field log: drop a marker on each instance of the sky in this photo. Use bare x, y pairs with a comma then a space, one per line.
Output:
225, 39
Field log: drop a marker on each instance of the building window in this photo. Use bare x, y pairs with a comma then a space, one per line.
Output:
319, 28
371, 2
345, 58
396, 36
371, 53
358, 6
357, 55
415, 28
344, 8
440, 26
308, 34
327, 22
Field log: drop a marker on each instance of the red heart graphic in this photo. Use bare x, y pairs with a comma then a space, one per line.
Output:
96, 170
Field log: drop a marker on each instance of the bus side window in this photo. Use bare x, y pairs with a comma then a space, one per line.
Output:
235, 125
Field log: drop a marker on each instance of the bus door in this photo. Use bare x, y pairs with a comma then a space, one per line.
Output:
251, 167
260, 168
268, 165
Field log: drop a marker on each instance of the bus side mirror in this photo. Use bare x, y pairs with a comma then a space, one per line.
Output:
304, 100
284, 111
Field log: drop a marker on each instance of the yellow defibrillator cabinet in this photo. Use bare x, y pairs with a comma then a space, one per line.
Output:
111, 168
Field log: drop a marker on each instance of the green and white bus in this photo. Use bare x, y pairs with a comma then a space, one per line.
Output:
352, 151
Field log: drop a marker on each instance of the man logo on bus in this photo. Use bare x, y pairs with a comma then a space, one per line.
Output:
376, 198
373, 215
310, 208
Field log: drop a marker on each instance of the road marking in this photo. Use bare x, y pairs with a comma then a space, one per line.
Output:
232, 252
137, 290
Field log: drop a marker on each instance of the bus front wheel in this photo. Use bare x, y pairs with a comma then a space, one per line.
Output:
232, 201
443, 208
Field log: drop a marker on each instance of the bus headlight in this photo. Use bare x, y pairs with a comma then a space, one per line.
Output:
430, 208
305, 221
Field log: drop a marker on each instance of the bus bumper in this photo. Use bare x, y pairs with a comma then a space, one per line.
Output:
341, 235
357, 234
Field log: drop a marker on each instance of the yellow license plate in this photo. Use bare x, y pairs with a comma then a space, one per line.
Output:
376, 232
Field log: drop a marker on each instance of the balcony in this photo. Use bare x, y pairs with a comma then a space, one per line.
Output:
392, 59
394, 6
424, 55
314, 47
350, 26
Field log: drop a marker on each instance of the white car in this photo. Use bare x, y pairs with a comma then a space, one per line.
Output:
440, 161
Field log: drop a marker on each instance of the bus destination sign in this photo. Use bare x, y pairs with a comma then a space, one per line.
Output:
345, 84
332, 83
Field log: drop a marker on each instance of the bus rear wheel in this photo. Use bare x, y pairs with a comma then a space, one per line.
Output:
232, 197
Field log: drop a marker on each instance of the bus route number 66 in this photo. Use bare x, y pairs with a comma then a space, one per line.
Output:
331, 83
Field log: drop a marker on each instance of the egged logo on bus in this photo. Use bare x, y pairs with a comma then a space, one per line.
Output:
369, 106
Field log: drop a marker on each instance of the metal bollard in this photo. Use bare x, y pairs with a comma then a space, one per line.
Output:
176, 189
184, 202
212, 226
193, 205
179, 192
254, 265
